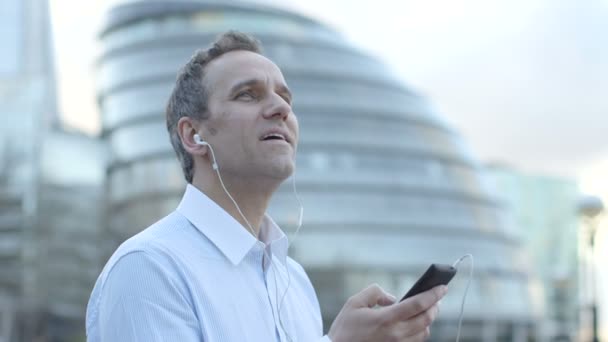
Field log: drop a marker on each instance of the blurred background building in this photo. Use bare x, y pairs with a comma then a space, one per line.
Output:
70, 221
27, 103
544, 209
387, 185
51, 194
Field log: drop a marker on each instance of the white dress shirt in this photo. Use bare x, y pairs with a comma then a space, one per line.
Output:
198, 275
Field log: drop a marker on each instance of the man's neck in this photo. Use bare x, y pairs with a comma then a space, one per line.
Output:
251, 201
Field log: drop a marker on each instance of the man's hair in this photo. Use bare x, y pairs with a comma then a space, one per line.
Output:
189, 96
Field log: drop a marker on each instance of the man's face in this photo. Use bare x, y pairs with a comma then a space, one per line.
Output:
250, 125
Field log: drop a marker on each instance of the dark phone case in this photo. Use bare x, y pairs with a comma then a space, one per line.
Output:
435, 275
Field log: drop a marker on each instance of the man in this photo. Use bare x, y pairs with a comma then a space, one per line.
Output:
216, 269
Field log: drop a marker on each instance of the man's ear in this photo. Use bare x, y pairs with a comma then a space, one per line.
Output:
187, 128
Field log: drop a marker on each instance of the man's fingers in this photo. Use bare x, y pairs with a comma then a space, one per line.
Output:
422, 321
371, 296
387, 299
418, 303
420, 336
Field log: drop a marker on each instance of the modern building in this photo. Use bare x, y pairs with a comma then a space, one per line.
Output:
545, 211
51, 190
387, 186
70, 216
27, 106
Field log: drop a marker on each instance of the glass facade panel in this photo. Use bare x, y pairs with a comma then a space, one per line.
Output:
153, 176
136, 103
370, 134
395, 168
123, 72
213, 22
343, 105
385, 208
128, 142
11, 31
323, 57
140, 59
406, 250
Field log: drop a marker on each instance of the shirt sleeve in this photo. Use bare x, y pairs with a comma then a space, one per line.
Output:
325, 339
143, 300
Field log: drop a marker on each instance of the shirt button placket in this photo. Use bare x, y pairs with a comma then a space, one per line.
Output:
271, 288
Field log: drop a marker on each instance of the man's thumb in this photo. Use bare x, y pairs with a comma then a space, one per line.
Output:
373, 295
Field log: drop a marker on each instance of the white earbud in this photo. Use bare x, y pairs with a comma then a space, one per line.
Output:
199, 141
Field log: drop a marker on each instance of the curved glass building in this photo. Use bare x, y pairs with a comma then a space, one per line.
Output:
387, 186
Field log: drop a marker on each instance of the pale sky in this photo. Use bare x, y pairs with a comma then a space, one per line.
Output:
523, 81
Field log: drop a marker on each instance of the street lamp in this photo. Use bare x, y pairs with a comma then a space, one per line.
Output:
590, 208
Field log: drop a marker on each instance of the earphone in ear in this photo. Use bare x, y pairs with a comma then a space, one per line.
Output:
199, 141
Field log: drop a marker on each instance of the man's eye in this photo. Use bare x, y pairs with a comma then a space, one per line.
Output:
245, 95
287, 99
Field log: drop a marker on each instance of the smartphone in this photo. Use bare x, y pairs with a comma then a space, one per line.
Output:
435, 275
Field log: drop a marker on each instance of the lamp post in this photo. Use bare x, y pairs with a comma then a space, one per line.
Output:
590, 208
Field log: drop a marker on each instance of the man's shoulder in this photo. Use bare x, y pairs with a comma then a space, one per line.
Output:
173, 223
152, 247
153, 241
160, 232
162, 241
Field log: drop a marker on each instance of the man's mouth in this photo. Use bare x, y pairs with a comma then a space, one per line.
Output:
274, 136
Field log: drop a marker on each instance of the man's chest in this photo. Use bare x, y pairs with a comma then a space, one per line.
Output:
249, 302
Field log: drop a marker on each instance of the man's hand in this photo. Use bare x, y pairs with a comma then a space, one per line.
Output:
409, 320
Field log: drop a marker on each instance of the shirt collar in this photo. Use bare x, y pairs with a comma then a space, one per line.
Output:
272, 235
225, 232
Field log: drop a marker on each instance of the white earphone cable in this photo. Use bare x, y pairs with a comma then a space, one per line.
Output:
300, 219
466, 290
217, 170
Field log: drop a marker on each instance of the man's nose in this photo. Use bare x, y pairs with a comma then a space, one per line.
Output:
278, 108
